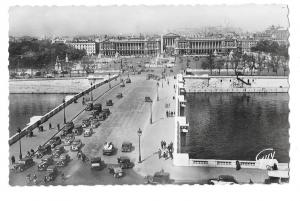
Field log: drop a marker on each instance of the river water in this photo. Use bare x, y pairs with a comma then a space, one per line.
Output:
23, 106
236, 126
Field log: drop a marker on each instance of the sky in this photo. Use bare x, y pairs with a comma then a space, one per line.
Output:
81, 20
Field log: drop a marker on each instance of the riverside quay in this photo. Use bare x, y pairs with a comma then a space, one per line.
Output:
200, 105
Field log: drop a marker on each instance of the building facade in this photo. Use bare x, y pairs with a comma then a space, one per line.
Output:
89, 47
245, 45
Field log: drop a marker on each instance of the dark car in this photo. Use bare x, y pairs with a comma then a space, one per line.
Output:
43, 150
109, 103
122, 84
106, 111
102, 116
77, 130
64, 159
125, 162
116, 171
23, 164
86, 123
58, 151
68, 128
98, 107
148, 99
126, 147
95, 113
160, 177
223, 180
119, 95
128, 80
54, 142
96, 163
43, 165
52, 173
89, 106
69, 139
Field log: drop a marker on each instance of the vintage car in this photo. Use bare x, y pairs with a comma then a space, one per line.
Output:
76, 145
58, 151
125, 162
160, 177
53, 142
106, 111
98, 107
68, 128
88, 132
223, 180
77, 130
86, 123
122, 84
116, 171
108, 148
52, 173
119, 95
89, 106
95, 113
148, 99
277, 176
43, 150
64, 159
126, 147
109, 103
69, 139
102, 116
128, 80
96, 163
95, 123
23, 164
45, 163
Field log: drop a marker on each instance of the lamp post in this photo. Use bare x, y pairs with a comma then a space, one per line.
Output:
157, 91
20, 154
139, 132
151, 112
64, 111
91, 91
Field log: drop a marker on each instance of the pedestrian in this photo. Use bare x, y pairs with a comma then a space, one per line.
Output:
13, 160
58, 127
171, 114
32, 152
162, 144
83, 101
238, 165
167, 113
159, 153
171, 154
45, 179
50, 126
28, 154
31, 134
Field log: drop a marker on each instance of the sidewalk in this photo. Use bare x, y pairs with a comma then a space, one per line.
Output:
163, 129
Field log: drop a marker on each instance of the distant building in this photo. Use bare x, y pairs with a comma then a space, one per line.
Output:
59, 41
245, 45
88, 46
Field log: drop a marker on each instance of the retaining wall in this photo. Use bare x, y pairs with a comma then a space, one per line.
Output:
44, 118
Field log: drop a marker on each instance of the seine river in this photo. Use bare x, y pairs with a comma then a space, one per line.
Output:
23, 106
237, 126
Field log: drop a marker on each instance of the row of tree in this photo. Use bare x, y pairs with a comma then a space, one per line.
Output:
40, 54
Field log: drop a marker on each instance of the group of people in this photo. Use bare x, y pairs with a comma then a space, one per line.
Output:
170, 113
165, 151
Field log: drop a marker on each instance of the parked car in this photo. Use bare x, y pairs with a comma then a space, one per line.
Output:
98, 107
86, 123
23, 164
95, 113
116, 171
109, 103
69, 139
54, 142
108, 148
58, 151
102, 116
126, 146
128, 80
77, 130
43, 150
96, 163
223, 180
68, 128
52, 173
64, 159
49, 76
106, 111
148, 99
95, 123
119, 95
45, 163
89, 106
160, 177
76, 145
88, 132
122, 84
125, 162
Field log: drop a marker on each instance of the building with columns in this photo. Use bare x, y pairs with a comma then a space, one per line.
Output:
129, 46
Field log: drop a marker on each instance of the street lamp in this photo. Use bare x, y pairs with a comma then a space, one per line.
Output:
109, 80
91, 91
151, 112
157, 91
139, 132
20, 154
64, 111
